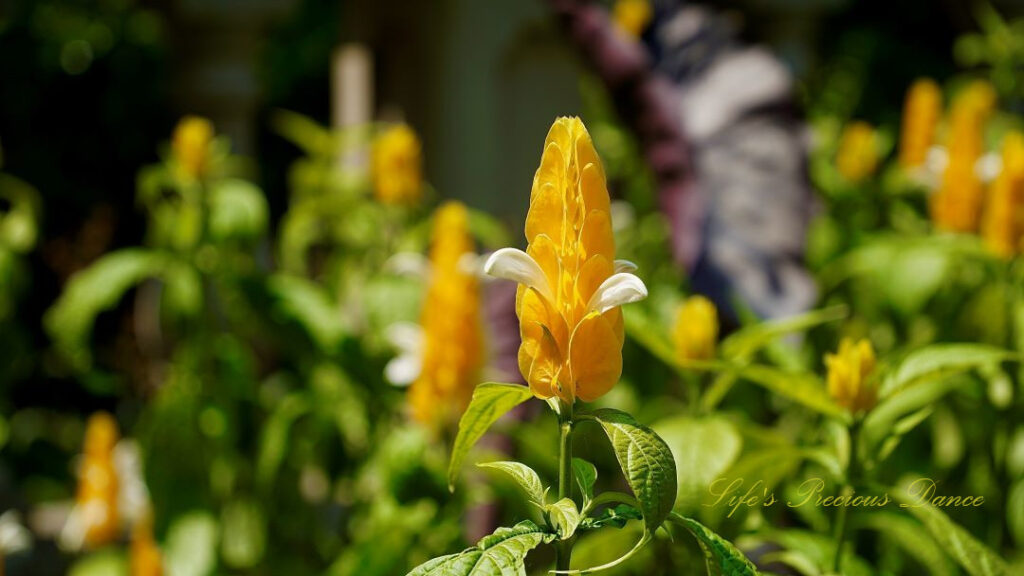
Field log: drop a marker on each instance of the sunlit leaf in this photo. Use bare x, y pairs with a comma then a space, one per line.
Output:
646, 461
564, 516
500, 554
191, 545
749, 339
703, 448
491, 400
237, 210
939, 360
721, 557
527, 479
802, 387
586, 476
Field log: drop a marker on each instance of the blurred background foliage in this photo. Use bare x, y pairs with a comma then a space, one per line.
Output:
229, 291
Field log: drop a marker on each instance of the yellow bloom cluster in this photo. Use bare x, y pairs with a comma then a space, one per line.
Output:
957, 204
571, 286
850, 370
190, 145
453, 336
396, 166
632, 16
1002, 226
857, 156
96, 499
696, 329
921, 111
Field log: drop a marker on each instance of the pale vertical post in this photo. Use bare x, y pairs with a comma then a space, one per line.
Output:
352, 99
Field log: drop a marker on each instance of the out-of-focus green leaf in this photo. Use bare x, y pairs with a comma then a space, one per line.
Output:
191, 545
491, 400
721, 557
879, 423
939, 360
527, 479
646, 461
973, 556
102, 563
307, 303
243, 534
237, 210
304, 132
97, 288
564, 517
703, 448
488, 230
907, 534
1015, 511
274, 440
749, 339
19, 224
802, 387
500, 554
183, 289
586, 477
819, 550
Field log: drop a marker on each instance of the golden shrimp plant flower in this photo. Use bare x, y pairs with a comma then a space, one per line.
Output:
857, 157
570, 285
1002, 226
850, 375
396, 166
696, 329
444, 355
145, 557
190, 145
921, 111
957, 205
96, 520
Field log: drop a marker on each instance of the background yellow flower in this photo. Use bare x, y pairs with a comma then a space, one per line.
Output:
397, 166
191, 145
850, 375
921, 112
696, 329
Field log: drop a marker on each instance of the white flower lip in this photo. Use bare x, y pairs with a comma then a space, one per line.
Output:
513, 264
403, 369
625, 266
618, 289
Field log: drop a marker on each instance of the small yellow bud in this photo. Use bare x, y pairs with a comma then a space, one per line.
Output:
96, 499
921, 112
191, 145
850, 381
397, 166
632, 16
696, 329
857, 156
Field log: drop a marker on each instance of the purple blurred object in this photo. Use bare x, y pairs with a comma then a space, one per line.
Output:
716, 123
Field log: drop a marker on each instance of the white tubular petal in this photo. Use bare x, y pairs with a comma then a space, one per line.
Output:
988, 167
625, 266
936, 159
408, 264
618, 289
471, 264
403, 369
516, 265
405, 336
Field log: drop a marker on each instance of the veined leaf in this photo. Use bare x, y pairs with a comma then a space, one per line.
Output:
586, 477
939, 360
491, 400
646, 461
564, 517
802, 387
527, 479
723, 559
703, 448
749, 339
500, 554
976, 558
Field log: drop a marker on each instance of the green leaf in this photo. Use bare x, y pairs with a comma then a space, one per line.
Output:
191, 546
93, 290
237, 210
939, 360
616, 516
308, 304
243, 533
274, 440
488, 230
749, 339
722, 558
491, 400
879, 424
527, 479
646, 461
586, 477
976, 558
650, 335
500, 554
907, 534
564, 517
802, 387
704, 448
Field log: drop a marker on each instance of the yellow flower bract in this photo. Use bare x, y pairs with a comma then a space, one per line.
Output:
191, 145
850, 371
1003, 224
397, 166
957, 205
145, 559
696, 330
921, 112
453, 335
632, 16
96, 498
857, 157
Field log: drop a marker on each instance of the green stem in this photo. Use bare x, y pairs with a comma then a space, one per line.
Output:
563, 548
847, 490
